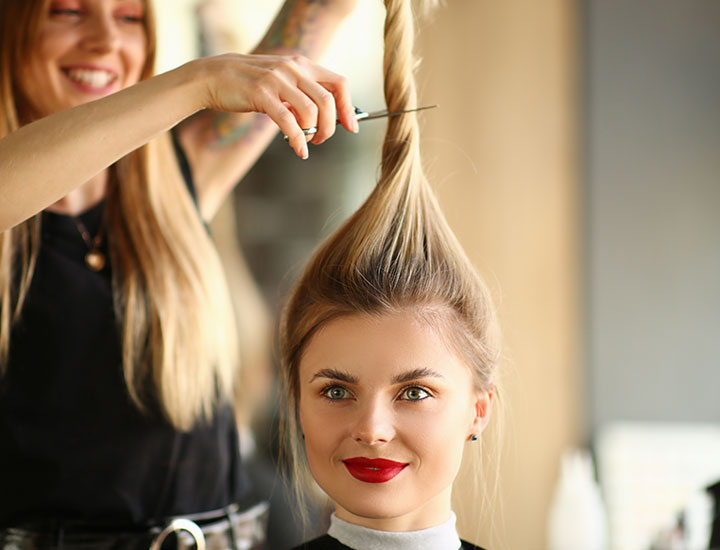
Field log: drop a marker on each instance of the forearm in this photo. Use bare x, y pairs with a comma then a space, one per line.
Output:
45, 160
305, 27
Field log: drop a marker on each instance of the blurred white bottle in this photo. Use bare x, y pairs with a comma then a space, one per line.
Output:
577, 518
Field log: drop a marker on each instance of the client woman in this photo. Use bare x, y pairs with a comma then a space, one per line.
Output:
389, 349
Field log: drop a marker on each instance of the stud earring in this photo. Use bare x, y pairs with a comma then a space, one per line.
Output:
473, 437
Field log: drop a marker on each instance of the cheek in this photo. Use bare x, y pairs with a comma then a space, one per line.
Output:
317, 428
52, 43
322, 439
136, 53
440, 442
40, 65
35, 68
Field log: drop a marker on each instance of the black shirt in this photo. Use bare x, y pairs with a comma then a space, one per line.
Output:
72, 444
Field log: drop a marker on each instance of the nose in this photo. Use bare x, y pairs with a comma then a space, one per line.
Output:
102, 34
375, 423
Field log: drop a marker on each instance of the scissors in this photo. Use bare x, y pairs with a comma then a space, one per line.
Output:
364, 115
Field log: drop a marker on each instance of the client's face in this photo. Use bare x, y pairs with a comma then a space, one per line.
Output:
386, 409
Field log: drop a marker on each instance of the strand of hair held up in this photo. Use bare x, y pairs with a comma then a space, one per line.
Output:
401, 146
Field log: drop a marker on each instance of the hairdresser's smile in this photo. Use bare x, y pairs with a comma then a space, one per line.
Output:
91, 78
386, 409
84, 50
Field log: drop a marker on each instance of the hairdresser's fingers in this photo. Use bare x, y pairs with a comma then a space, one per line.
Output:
288, 124
339, 86
326, 113
288, 73
330, 92
239, 83
303, 107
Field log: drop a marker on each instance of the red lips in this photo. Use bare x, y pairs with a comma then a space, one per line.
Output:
373, 470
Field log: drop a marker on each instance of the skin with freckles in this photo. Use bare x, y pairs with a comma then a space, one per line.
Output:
387, 387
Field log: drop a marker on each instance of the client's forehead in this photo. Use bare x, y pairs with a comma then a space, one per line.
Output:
392, 347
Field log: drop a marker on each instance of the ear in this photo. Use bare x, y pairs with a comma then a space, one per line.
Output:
481, 409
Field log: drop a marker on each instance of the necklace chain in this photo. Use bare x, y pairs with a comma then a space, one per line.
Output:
94, 258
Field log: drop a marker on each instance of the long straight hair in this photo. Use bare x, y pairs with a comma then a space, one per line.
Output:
171, 299
396, 252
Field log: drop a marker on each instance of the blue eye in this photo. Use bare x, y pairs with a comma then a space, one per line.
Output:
414, 393
336, 393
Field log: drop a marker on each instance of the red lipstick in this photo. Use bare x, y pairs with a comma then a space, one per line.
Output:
373, 470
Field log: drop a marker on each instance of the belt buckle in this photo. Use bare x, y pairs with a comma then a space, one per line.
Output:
177, 525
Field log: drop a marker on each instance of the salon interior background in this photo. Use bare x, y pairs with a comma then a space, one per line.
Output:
575, 153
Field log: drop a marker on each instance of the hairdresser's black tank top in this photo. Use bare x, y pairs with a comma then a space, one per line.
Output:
72, 444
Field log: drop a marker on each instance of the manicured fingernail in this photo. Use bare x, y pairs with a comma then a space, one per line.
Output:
305, 153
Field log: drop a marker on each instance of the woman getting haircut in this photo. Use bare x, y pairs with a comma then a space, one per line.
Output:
389, 345
117, 342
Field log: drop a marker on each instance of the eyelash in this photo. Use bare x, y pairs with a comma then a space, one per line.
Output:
131, 18
419, 388
327, 389
325, 393
69, 12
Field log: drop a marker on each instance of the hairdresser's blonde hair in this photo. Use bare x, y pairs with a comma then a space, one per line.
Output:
396, 252
171, 299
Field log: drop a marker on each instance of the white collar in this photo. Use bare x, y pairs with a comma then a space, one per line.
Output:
440, 537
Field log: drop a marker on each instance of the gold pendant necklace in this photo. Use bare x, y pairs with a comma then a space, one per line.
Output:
94, 258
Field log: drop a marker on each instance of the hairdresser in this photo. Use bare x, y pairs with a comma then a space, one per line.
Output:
118, 348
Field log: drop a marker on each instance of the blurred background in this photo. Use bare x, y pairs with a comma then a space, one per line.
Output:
576, 153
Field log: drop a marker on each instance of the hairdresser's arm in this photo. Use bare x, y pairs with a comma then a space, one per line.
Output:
222, 146
45, 160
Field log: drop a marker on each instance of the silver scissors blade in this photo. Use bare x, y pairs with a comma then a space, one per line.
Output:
384, 113
361, 115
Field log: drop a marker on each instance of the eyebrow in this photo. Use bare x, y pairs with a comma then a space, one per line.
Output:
408, 376
416, 374
335, 374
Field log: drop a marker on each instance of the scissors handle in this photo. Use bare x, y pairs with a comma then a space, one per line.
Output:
359, 115
364, 115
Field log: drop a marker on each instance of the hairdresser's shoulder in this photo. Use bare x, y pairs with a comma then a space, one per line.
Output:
465, 545
326, 542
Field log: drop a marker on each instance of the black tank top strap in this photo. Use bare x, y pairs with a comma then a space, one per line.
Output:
184, 165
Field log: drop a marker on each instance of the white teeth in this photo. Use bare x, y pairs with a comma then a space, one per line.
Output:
92, 78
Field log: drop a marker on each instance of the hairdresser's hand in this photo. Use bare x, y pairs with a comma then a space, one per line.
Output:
293, 91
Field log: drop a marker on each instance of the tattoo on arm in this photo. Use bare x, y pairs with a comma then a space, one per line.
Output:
222, 130
294, 27
298, 28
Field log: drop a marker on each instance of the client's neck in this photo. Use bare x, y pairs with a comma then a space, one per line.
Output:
434, 512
